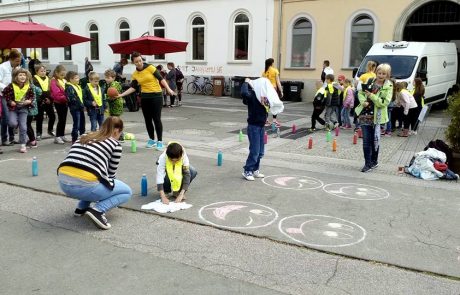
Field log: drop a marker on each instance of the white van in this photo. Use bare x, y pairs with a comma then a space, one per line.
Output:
434, 62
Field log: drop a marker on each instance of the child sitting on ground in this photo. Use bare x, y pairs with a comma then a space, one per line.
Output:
174, 173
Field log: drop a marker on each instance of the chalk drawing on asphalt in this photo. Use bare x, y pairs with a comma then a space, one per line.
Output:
356, 191
321, 230
238, 215
292, 182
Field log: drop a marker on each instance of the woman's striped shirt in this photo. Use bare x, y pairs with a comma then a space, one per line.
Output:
99, 157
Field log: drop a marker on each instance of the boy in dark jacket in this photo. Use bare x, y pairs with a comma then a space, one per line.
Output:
257, 116
74, 95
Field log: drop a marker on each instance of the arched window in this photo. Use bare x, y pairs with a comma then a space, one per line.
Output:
362, 38
124, 35
67, 49
301, 43
198, 38
159, 31
94, 47
241, 37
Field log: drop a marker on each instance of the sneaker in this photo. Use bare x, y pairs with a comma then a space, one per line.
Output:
58, 140
366, 169
277, 124
51, 133
159, 146
64, 139
179, 104
374, 165
39, 137
312, 129
257, 174
32, 144
248, 175
23, 149
13, 142
98, 218
150, 144
412, 132
79, 212
388, 134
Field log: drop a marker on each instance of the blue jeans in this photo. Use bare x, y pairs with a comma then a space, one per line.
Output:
78, 127
345, 114
19, 118
370, 154
7, 131
256, 147
167, 183
96, 118
88, 192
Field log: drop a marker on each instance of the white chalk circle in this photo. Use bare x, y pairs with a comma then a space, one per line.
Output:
321, 230
229, 124
292, 182
238, 215
356, 191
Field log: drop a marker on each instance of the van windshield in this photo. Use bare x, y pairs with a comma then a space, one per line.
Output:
402, 66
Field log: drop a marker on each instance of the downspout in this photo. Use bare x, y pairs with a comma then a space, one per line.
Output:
280, 20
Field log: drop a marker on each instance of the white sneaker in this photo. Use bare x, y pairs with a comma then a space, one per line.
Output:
58, 140
64, 139
257, 174
248, 176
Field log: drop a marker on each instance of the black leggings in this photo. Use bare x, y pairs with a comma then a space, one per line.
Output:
48, 109
30, 130
151, 109
61, 110
410, 119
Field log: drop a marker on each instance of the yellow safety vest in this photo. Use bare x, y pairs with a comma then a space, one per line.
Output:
19, 93
97, 96
61, 83
174, 171
44, 84
78, 91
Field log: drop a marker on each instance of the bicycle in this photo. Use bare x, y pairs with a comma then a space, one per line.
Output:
204, 87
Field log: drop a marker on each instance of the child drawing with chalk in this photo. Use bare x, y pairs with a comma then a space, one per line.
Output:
174, 173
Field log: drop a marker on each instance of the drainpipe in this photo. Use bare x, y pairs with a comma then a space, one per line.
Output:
280, 20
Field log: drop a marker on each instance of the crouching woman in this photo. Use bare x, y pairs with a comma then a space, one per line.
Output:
88, 173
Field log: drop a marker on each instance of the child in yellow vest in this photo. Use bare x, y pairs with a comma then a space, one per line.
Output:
94, 100
74, 95
174, 173
44, 102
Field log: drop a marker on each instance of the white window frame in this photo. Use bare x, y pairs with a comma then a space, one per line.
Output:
289, 41
231, 57
119, 30
190, 38
348, 26
98, 41
153, 28
70, 46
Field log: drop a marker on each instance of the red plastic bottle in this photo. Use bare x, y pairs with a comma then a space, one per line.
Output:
310, 143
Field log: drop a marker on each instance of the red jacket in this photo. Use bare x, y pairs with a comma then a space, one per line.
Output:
57, 93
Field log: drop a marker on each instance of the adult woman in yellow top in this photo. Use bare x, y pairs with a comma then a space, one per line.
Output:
272, 74
148, 78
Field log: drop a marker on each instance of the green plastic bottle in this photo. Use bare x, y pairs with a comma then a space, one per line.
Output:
133, 146
328, 136
240, 136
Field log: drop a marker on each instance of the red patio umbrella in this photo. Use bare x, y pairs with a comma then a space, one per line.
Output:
149, 45
14, 34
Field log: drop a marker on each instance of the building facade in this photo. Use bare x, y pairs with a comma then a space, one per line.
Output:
343, 31
226, 37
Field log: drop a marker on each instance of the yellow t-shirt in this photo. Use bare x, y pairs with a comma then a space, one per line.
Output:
366, 76
77, 173
271, 75
147, 81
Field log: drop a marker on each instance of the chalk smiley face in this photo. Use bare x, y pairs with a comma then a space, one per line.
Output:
356, 191
292, 182
321, 230
238, 215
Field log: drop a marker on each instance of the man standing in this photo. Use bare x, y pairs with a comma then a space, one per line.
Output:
6, 70
327, 70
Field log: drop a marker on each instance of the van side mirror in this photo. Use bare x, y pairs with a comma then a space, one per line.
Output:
422, 75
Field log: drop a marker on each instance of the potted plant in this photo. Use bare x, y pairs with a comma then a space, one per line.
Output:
453, 131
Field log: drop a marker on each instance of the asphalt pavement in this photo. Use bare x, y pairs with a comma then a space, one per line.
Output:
314, 225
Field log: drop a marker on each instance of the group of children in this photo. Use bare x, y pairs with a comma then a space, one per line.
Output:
30, 97
339, 99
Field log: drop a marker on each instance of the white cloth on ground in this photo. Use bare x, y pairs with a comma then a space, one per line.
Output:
263, 88
423, 165
159, 207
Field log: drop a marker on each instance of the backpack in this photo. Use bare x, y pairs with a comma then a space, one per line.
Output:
179, 75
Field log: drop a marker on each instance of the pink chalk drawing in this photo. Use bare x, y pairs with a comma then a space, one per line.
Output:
293, 182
